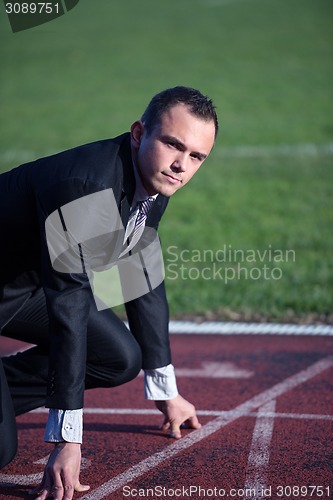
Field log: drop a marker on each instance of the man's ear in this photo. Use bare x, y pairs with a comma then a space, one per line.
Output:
137, 131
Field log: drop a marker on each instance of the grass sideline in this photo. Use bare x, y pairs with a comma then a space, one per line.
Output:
268, 66
271, 213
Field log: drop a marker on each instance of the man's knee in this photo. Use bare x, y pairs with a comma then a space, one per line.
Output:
114, 371
132, 363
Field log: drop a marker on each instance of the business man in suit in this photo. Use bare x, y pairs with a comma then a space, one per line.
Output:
79, 346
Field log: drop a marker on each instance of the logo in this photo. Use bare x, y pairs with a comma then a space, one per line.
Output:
24, 15
87, 236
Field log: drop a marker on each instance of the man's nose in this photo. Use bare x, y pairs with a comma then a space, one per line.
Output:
179, 164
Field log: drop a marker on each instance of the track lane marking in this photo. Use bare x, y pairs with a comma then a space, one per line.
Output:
240, 328
241, 151
200, 413
211, 427
228, 416
211, 369
258, 459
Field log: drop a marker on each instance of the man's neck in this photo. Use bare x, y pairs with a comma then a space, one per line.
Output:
140, 191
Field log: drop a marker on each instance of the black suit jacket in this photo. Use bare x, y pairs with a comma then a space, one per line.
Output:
28, 195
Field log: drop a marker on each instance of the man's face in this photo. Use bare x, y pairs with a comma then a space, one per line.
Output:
169, 157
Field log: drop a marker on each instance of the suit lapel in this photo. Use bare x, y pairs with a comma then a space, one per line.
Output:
128, 187
124, 211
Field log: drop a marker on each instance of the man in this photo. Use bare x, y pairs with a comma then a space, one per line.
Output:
78, 346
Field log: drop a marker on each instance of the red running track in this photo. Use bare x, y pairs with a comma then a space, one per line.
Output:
266, 408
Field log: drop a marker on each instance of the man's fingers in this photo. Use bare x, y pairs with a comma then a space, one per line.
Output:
193, 422
39, 487
166, 424
43, 493
178, 413
175, 430
81, 487
173, 427
190, 423
69, 486
58, 489
43, 490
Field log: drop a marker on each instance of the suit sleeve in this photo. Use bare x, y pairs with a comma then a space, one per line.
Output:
148, 318
148, 315
68, 298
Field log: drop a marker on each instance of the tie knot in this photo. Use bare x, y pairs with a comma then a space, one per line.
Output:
145, 205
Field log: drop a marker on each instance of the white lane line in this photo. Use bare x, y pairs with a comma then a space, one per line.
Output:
200, 413
211, 369
235, 328
257, 465
291, 150
215, 425
241, 151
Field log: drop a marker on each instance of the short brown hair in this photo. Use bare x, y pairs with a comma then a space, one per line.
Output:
199, 105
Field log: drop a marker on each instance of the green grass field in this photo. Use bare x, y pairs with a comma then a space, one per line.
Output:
251, 235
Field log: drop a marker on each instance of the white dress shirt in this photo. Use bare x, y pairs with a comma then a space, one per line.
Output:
66, 425
159, 384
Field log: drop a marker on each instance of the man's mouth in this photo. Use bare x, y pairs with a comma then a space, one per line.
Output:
171, 178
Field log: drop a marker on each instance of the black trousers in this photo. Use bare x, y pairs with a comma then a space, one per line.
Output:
113, 358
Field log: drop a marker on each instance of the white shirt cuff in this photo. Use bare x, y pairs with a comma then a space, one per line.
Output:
160, 384
64, 426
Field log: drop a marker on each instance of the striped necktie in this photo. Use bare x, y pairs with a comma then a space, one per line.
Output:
144, 207
135, 229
